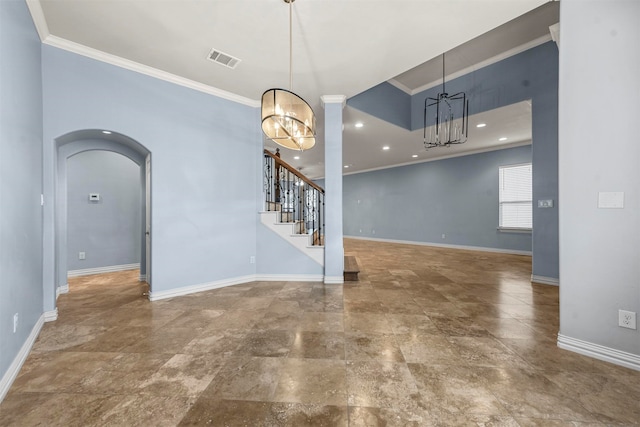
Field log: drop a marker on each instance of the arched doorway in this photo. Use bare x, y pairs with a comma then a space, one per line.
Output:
77, 142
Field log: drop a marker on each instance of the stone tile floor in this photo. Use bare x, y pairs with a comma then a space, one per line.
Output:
428, 336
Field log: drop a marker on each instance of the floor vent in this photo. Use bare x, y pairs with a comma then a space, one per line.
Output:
223, 58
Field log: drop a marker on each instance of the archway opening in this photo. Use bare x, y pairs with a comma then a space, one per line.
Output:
103, 144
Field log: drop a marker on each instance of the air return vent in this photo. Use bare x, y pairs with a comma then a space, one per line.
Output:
223, 58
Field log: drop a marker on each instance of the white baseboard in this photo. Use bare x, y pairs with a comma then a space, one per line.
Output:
186, 290
143, 278
50, 316
618, 357
545, 280
9, 377
64, 289
100, 270
289, 277
443, 245
334, 280
171, 293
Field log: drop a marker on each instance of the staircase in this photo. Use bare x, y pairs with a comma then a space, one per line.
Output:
294, 206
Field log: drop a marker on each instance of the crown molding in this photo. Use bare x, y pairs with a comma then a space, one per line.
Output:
333, 99
555, 33
494, 59
117, 61
443, 157
398, 85
37, 14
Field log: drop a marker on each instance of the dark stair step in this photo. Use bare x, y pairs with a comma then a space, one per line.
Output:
351, 269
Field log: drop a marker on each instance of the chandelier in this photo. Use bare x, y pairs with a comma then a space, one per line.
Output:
287, 119
446, 118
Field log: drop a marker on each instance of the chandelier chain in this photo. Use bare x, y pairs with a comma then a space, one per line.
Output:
290, 47
443, 90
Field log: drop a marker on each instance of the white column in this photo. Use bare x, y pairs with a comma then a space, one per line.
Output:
598, 161
333, 247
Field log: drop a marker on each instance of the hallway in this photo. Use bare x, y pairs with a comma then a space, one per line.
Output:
428, 336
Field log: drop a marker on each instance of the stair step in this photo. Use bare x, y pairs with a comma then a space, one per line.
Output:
286, 230
274, 206
351, 268
318, 240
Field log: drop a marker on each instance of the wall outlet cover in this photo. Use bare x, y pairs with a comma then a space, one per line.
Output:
627, 319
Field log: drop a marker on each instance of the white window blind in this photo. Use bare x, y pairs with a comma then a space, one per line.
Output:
515, 196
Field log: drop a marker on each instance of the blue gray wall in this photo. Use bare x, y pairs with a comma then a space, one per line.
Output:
204, 164
532, 74
108, 231
20, 179
457, 197
386, 102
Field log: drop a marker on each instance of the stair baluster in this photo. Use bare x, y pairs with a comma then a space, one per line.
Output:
296, 197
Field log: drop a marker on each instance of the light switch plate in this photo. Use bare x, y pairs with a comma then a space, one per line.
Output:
611, 200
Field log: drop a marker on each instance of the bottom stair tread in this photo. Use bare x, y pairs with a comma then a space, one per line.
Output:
351, 268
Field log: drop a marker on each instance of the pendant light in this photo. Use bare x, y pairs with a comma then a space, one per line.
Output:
287, 119
450, 115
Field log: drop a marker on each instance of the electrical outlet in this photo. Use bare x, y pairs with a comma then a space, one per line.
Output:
444, 236
15, 323
82, 255
252, 259
627, 319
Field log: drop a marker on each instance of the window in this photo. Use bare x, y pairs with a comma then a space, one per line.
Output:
515, 197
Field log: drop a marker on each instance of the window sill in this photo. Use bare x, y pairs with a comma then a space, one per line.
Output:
514, 230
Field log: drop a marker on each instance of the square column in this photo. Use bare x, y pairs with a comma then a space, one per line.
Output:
333, 245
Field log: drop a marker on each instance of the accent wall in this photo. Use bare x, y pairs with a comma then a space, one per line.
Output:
529, 75
450, 202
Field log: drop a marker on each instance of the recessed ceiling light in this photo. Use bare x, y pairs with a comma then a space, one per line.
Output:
346, 166
386, 147
481, 125
504, 138
296, 157
359, 125
107, 132
414, 156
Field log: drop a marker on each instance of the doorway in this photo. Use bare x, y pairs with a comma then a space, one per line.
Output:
78, 142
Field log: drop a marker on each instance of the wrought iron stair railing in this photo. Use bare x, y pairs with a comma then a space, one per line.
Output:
298, 199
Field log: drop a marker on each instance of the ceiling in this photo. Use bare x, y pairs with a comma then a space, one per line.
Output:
340, 47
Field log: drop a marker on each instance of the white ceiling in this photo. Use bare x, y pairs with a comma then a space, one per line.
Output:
340, 47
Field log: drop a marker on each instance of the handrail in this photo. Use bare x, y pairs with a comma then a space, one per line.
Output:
298, 200
293, 170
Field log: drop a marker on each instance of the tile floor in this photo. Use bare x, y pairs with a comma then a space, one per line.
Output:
426, 337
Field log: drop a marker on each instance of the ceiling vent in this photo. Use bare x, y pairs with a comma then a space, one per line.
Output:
223, 58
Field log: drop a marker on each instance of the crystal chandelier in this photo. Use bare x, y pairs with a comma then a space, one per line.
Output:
446, 118
287, 119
